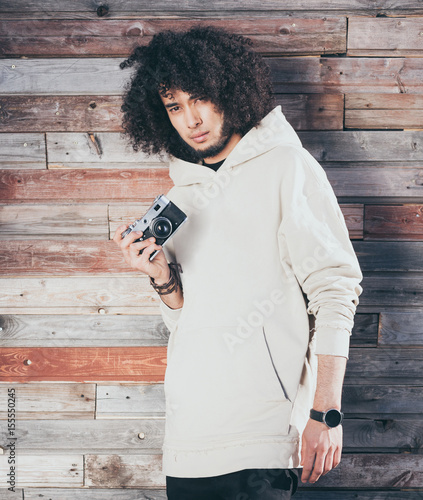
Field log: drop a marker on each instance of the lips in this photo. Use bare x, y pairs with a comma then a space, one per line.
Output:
200, 137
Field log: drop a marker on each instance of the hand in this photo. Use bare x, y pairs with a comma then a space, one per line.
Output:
320, 445
158, 268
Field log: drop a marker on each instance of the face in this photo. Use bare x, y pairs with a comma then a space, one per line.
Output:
200, 125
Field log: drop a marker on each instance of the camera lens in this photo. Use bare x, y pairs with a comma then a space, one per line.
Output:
161, 227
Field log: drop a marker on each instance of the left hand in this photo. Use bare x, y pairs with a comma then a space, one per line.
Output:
320, 445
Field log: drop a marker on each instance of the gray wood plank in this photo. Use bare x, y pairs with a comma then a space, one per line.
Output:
74, 437
51, 400
400, 290
93, 494
45, 471
385, 37
130, 401
401, 329
32, 330
365, 330
380, 256
95, 150
57, 222
26, 150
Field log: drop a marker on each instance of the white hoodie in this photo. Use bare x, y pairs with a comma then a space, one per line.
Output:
242, 365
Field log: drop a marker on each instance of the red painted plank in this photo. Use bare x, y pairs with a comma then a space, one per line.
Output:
82, 364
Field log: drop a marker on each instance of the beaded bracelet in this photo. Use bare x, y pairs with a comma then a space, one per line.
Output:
174, 281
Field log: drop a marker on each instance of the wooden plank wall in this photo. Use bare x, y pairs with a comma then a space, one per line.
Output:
82, 342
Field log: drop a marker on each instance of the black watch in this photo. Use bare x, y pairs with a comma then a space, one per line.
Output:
332, 418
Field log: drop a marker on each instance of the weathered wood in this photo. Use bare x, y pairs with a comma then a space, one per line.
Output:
51, 401
28, 330
383, 111
22, 150
82, 364
33, 113
385, 37
400, 256
29, 113
290, 75
84, 185
45, 471
404, 290
399, 222
63, 437
365, 330
58, 222
121, 471
106, 494
130, 401
385, 366
401, 329
118, 37
94, 150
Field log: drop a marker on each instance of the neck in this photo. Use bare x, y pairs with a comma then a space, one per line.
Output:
233, 141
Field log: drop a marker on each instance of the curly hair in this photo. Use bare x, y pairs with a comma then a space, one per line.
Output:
202, 61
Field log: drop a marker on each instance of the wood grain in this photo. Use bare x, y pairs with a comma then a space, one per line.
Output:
385, 37
85, 364
401, 329
389, 256
119, 37
51, 401
102, 494
26, 150
398, 222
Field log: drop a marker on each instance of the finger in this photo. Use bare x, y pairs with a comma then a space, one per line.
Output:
117, 236
141, 261
328, 466
308, 466
337, 457
130, 238
318, 466
135, 248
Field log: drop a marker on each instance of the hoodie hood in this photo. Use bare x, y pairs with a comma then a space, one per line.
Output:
272, 131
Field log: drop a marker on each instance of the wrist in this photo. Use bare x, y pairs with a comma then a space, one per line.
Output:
161, 280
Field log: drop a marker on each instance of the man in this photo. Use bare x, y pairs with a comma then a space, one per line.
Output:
265, 246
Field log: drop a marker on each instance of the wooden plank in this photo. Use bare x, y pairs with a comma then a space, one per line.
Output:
118, 37
82, 364
401, 329
68, 437
384, 111
34, 330
384, 366
130, 401
24, 150
365, 330
123, 471
95, 150
45, 471
290, 75
84, 185
403, 291
32, 113
385, 37
98, 494
58, 222
51, 401
353, 214
79, 8
388, 256
398, 222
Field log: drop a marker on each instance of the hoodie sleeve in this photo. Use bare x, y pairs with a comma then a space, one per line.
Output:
316, 248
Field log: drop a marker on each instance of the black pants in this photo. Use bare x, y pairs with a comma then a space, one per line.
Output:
249, 484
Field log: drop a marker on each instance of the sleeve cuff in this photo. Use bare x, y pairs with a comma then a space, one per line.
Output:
332, 341
170, 316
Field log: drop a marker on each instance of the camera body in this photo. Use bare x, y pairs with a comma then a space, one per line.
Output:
161, 220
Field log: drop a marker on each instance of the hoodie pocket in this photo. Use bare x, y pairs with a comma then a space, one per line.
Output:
274, 367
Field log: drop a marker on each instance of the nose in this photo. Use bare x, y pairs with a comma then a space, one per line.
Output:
192, 117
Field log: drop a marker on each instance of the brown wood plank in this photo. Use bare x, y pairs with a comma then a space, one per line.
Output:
390, 256
84, 185
26, 150
385, 37
57, 222
82, 364
51, 401
384, 111
290, 75
385, 366
118, 37
44, 471
401, 329
41, 330
398, 222
29, 113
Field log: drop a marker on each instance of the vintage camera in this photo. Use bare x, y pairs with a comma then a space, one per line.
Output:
162, 220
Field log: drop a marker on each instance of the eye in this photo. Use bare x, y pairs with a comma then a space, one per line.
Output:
174, 109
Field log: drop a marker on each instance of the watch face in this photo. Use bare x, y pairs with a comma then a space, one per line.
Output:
333, 418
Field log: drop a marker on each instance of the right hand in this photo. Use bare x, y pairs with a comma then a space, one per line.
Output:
158, 268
